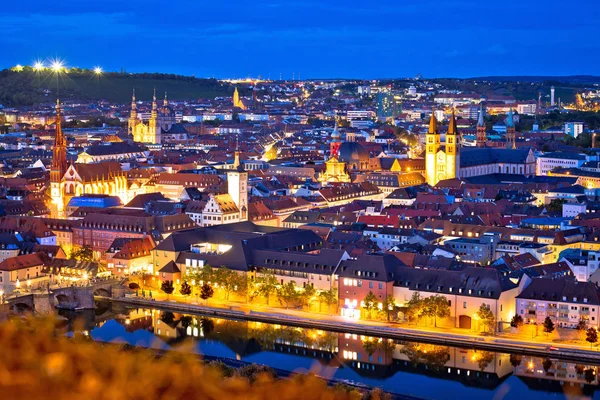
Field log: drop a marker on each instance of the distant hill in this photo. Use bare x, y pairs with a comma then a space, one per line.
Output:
573, 79
29, 87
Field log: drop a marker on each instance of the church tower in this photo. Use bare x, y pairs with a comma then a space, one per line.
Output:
153, 128
334, 145
452, 150
133, 118
59, 166
432, 147
481, 137
511, 140
237, 185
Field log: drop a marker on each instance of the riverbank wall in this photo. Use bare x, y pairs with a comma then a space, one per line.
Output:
495, 344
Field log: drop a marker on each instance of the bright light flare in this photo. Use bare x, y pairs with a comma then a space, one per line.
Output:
38, 66
57, 66
98, 70
18, 68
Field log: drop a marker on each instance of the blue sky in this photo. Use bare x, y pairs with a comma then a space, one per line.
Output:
329, 38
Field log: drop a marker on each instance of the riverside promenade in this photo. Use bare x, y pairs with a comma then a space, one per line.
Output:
372, 328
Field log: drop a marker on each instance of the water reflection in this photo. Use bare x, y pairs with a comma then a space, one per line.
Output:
418, 369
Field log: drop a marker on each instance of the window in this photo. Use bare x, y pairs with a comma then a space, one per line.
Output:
370, 285
464, 304
380, 285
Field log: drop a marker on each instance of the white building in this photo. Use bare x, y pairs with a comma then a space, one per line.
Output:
547, 162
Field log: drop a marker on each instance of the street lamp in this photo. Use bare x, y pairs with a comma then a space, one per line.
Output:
1, 296
98, 70
38, 66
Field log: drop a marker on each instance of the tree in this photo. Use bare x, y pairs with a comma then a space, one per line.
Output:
487, 318
229, 281
389, 305
516, 321
267, 284
548, 326
307, 295
83, 253
592, 336
167, 317
206, 292
581, 325
369, 304
555, 206
329, 297
167, 287
437, 307
185, 289
590, 375
547, 364
370, 345
515, 360
415, 307
287, 294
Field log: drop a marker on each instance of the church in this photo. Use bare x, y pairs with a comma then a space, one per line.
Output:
67, 181
162, 126
449, 160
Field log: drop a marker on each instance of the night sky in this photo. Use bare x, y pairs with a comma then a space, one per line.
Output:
312, 39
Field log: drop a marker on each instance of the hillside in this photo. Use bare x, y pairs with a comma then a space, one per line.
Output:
29, 87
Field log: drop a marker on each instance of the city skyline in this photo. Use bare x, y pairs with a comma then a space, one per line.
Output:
307, 40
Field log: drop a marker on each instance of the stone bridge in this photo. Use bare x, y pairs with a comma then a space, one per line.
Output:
68, 297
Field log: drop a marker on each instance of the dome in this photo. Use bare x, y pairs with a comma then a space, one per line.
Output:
335, 135
352, 153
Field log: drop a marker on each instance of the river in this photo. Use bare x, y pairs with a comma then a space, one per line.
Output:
406, 368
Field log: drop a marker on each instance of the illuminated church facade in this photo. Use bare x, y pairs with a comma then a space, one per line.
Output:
67, 181
162, 127
449, 160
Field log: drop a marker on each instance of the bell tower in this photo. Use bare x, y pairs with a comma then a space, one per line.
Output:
481, 130
511, 134
452, 149
133, 119
153, 128
432, 146
58, 167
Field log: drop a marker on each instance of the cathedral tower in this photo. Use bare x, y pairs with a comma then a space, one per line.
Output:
59, 166
334, 145
432, 147
153, 122
452, 150
511, 142
481, 130
133, 118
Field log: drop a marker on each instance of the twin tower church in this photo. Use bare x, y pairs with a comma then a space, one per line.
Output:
449, 160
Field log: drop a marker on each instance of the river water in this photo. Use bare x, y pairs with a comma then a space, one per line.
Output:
406, 368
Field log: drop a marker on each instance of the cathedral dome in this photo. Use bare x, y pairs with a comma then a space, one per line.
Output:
352, 153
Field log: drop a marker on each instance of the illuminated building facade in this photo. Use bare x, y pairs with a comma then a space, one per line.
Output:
162, 127
58, 167
442, 163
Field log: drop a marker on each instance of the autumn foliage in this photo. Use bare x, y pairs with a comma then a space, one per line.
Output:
38, 363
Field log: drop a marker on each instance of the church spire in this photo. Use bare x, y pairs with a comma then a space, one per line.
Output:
511, 135
59, 152
165, 102
432, 124
509, 119
236, 157
154, 113
452, 130
481, 135
480, 121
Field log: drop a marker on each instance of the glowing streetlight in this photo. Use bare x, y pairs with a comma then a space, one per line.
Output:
18, 68
98, 70
18, 284
38, 66
57, 66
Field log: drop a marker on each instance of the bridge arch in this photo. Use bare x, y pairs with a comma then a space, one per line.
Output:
102, 292
22, 308
62, 298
